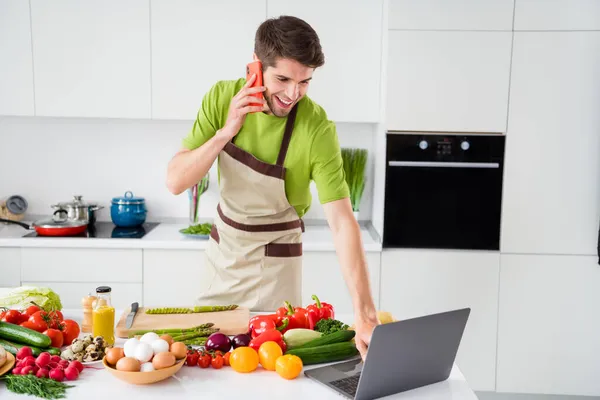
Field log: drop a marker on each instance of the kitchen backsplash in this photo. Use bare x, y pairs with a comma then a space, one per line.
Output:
48, 160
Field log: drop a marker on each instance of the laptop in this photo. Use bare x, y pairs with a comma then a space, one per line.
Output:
403, 355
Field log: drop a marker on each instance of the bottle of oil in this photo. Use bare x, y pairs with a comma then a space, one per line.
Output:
103, 321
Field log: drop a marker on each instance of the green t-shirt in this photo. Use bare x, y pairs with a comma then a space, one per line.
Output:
314, 152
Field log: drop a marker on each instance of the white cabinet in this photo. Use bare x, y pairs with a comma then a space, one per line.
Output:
10, 267
496, 15
554, 15
172, 277
350, 32
194, 45
551, 201
322, 275
92, 59
548, 325
448, 81
416, 283
16, 68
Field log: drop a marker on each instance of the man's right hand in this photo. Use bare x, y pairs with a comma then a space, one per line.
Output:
239, 107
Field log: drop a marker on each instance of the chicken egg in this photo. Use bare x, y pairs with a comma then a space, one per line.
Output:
149, 337
147, 367
130, 346
128, 364
143, 352
159, 346
163, 360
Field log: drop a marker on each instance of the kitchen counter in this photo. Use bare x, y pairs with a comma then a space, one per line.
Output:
167, 236
194, 382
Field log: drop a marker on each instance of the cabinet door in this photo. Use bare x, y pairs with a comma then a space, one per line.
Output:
557, 15
448, 81
10, 267
551, 201
322, 275
92, 59
548, 329
348, 85
16, 69
494, 15
171, 277
194, 45
416, 283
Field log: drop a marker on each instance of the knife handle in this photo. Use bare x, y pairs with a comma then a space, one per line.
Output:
134, 306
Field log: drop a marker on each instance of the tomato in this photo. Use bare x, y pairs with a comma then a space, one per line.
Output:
39, 320
226, 358
244, 359
192, 359
204, 360
12, 317
31, 310
28, 325
56, 317
268, 353
288, 366
70, 330
56, 336
217, 362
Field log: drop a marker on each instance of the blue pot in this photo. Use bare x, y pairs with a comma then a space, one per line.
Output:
128, 211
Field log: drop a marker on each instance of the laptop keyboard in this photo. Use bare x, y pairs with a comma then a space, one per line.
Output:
348, 385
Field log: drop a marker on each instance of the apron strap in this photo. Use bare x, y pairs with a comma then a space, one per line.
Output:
287, 135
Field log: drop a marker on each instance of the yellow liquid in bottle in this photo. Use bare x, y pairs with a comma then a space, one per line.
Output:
104, 323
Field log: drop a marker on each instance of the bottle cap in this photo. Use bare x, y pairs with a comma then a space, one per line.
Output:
103, 289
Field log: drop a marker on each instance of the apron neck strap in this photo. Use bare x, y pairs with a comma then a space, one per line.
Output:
287, 135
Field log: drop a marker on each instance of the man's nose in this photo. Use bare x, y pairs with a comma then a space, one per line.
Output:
292, 91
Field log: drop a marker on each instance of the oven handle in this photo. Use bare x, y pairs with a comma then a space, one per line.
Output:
441, 164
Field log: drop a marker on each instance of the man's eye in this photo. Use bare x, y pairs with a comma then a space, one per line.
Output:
282, 79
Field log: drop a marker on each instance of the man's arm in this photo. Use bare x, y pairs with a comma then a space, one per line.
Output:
351, 255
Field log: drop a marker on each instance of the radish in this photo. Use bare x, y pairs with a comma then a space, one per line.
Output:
24, 352
16, 371
27, 370
57, 374
63, 363
55, 359
77, 365
43, 359
71, 373
42, 373
29, 360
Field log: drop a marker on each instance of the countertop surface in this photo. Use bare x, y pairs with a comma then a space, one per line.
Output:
194, 382
167, 236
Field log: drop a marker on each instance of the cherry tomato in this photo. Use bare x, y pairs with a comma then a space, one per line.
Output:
192, 359
217, 362
288, 366
56, 336
31, 310
226, 358
12, 317
204, 361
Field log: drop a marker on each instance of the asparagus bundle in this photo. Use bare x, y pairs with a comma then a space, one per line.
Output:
190, 310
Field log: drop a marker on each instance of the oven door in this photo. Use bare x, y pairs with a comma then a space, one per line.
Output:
446, 205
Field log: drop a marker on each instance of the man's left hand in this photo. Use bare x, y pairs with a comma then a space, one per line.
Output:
364, 330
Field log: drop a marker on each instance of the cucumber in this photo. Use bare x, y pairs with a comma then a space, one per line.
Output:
14, 348
335, 337
299, 336
20, 334
326, 353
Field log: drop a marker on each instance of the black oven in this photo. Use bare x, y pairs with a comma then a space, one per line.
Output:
443, 191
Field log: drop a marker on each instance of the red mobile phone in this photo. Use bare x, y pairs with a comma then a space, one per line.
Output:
255, 67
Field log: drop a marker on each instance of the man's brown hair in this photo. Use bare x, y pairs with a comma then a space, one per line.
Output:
288, 37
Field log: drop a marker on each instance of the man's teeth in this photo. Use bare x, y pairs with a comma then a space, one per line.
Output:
287, 103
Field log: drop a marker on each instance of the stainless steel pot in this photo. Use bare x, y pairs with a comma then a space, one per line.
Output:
78, 210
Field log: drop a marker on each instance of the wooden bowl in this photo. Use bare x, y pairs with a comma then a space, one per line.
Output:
10, 362
144, 378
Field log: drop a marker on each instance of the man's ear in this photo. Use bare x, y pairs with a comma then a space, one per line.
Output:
255, 57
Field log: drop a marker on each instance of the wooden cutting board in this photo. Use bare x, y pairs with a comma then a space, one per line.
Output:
229, 322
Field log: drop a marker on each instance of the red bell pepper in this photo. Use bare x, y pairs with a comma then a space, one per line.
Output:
262, 323
272, 335
319, 311
297, 316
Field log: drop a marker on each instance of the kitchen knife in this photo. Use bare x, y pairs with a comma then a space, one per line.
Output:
131, 316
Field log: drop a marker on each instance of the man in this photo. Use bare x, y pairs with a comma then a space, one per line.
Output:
267, 156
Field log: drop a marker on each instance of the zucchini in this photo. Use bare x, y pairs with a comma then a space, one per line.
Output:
13, 348
326, 353
20, 334
335, 337
299, 336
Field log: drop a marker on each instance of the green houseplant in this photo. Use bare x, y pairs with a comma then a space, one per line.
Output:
355, 163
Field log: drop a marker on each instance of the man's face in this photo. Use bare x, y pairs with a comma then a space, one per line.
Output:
286, 83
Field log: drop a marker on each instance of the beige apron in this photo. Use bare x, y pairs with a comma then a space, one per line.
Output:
254, 253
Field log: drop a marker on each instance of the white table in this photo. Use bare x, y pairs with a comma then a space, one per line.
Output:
195, 382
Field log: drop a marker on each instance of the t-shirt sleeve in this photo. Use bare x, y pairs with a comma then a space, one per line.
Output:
207, 120
327, 167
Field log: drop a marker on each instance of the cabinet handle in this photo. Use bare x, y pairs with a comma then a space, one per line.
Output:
441, 164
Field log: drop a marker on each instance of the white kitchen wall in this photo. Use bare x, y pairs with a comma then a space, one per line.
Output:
48, 160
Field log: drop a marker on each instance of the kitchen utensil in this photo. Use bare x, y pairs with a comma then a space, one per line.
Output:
128, 211
144, 378
131, 315
78, 210
13, 207
57, 226
231, 322
10, 362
